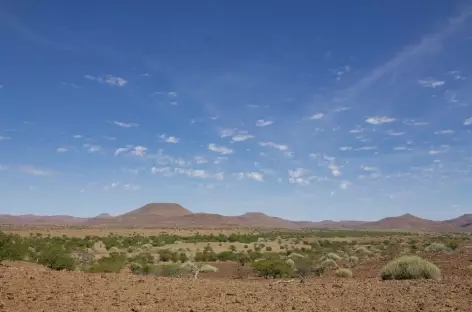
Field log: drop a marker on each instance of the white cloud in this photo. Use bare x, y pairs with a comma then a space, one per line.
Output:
125, 125
431, 83
4, 138
131, 187
256, 176
35, 171
199, 173
111, 186
264, 123
219, 149
172, 94
139, 150
356, 131
77, 136
393, 133
378, 120
345, 148
227, 132
122, 150
366, 148
367, 168
411, 122
468, 121
110, 80
274, 145
335, 170
400, 148
92, 148
200, 160
298, 176
3, 167
241, 137
317, 116
62, 149
2, 86
447, 131
169, 139
344, 184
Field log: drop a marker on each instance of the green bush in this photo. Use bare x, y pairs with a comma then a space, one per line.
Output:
436, 247
170, 270
410, 267
206, 268
329, 264
56, 258
12, 247
272, 268
452, 243
343, 273
333, 256
268, 248
111, 264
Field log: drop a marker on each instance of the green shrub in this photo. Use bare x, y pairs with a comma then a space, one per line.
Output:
170, 270
56, 258
12, 247
272, 268
329, 264
333, 256
206, 268
343, 273
111, 264
436, 247
290, 262
353, 259
268, 248
113, 250
452, 243
410, 267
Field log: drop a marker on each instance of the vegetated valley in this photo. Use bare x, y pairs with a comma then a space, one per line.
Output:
236, 270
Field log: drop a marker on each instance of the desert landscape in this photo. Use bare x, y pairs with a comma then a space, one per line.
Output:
162, 257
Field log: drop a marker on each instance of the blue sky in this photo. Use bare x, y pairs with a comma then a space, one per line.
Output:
299, 109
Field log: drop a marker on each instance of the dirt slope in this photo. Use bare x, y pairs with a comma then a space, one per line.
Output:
464, 221
27, 289
406, 222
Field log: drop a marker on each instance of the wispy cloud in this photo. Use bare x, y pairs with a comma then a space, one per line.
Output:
316, 116
468, 121
298, 176
431, 83
256, 176
169, 139
274, 145
378, 120
220, 149
4, 138
62, 149
112, 81
264, 123
447, 131
35, 171
125, 124
93, 148
427, 44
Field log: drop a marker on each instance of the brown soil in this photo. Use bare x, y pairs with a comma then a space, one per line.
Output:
26, 287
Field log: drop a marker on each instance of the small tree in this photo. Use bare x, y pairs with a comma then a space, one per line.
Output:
272, 268
56, 258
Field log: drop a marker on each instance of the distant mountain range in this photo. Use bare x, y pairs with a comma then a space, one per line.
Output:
169, 215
